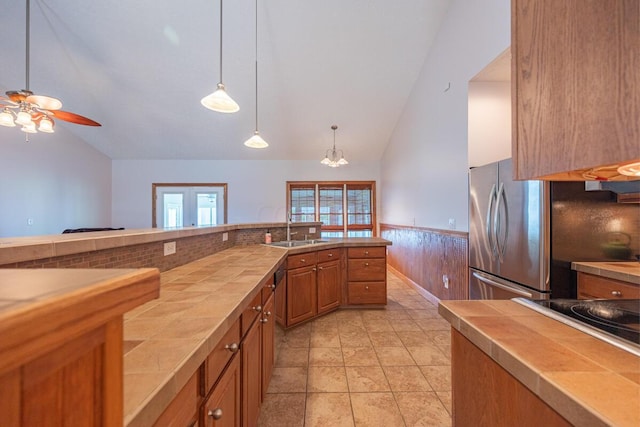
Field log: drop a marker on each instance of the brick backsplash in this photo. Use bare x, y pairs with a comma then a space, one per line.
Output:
145, 255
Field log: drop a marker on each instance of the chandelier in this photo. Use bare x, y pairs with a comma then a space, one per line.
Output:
331, 157
34, 112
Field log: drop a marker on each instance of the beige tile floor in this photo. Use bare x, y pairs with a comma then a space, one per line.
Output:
364, 367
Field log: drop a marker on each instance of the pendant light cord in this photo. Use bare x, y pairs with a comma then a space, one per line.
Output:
220, 41
256, 65
27, 44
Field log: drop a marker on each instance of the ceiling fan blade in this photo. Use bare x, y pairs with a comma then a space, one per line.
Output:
18, 95
7, 101
45, 102
73, 118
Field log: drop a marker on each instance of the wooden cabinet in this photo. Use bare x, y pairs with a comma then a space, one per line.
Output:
597, 287
301, 294
183, 409
329, 280
575, 85
485, 394
367, 275
251, 351
268, 342
222, 407
221, 354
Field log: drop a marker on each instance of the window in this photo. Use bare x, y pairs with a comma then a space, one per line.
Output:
344, 208
182, 205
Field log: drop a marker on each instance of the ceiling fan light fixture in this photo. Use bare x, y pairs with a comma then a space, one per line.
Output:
630, 169
256, 141
220, 101
46, 125
6, 118
44, 102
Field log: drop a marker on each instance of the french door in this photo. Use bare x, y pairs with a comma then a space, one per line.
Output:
178, 205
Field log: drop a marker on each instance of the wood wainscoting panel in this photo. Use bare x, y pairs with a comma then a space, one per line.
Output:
425, 255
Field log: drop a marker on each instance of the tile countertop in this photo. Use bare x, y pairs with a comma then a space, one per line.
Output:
587, 381
168, 338
619, 270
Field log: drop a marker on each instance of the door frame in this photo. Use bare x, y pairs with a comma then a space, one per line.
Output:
154, 196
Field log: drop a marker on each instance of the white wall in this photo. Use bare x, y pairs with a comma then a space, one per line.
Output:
256, 189
489, 122
425, 165
56, 180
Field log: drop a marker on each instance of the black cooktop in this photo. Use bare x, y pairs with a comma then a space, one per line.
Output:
615, 321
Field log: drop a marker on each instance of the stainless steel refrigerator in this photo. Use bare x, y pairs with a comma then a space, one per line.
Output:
509, 234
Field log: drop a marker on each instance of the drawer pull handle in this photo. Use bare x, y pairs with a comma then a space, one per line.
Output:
320, 268
366, 287
216, 414
330, 255
302, 260
366, 264
264, 320
267, 313
232, 348
272, 286
366, 252
258, 308
616, 293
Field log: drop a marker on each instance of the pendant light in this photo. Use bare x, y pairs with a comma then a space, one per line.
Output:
219, 100
331, 157
256, 140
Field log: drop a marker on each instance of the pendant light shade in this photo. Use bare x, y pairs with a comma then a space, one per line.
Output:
220, 100
256, 140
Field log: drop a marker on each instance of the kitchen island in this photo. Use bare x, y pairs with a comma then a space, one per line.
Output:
513, 366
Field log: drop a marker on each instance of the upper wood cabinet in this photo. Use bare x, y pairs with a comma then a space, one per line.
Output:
575, 87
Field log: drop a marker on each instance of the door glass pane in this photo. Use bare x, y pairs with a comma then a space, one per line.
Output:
173, 209
206, 208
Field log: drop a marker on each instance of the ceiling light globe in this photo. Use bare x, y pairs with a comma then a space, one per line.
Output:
325, 161
29, 128
24, 118
46, 125
6, 118
220, 101
256, 141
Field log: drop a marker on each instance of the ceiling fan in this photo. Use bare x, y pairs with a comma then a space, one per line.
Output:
35, 112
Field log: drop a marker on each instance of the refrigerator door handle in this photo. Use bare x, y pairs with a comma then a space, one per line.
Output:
501, 286
501, 223
490, 230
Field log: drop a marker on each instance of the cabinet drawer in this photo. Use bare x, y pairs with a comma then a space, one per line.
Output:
367, 269
368, 252
596, 287
251, 313
367, 293
218, 358
329, 255
301, 260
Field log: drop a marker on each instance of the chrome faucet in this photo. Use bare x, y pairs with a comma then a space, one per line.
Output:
289, 233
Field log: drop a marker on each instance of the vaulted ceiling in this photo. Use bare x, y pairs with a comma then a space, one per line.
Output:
141, 67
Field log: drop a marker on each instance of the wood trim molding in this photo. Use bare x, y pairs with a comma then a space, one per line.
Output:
427, 229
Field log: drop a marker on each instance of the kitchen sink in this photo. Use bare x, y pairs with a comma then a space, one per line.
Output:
296, 243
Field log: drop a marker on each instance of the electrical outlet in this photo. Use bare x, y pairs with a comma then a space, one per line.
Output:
452, 223
225, 237
169, 248
445, 281
312, 230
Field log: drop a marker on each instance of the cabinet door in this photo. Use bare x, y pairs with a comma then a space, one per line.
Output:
281, 303
251, 374
301, 294
575, 85
268, 343
329, 286
222, 408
